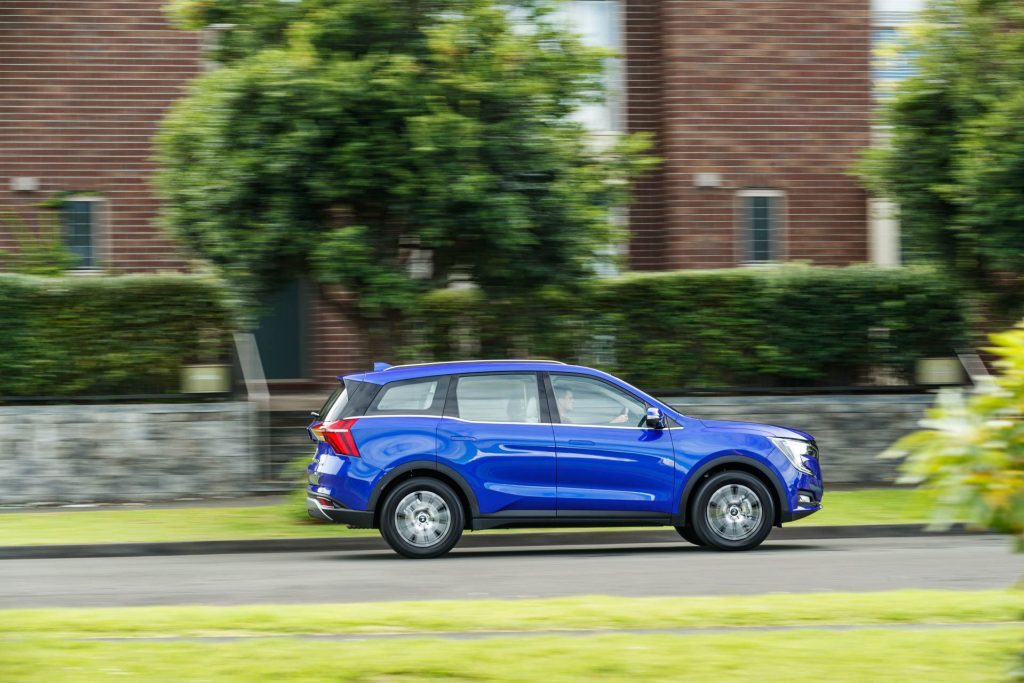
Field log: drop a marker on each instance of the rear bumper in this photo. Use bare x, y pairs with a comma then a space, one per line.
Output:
335, 512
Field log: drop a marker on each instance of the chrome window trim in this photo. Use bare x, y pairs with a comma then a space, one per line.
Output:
550, 424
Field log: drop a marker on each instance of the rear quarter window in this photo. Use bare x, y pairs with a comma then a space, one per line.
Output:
411, 397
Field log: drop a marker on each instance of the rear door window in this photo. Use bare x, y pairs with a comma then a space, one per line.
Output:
506, 397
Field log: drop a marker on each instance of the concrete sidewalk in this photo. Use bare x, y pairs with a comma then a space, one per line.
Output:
494, 539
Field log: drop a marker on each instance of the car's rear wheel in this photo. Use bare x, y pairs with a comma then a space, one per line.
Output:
422, 518
732, 510
689, 536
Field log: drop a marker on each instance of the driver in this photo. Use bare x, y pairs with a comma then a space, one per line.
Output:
567, 405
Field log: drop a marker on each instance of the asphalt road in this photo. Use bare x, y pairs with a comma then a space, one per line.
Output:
957, 562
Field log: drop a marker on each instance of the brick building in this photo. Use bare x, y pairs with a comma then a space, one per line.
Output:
759, 109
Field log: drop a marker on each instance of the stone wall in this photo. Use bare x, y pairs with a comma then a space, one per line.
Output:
153, 452
851, 430
140, 452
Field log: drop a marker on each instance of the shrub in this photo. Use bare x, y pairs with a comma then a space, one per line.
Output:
788, 326
128, 334
971, 450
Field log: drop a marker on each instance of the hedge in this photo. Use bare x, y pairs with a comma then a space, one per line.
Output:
108, 335
708, 329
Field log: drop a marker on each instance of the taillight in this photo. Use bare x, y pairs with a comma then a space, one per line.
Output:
338, 436
317, 430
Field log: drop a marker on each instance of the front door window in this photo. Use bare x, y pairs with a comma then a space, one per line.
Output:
586, 401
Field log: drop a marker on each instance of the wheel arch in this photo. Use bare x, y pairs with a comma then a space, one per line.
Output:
424, 468
743, 464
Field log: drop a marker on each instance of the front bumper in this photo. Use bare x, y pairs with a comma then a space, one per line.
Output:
808, 502
324, 508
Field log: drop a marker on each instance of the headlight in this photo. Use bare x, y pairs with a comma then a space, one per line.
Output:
797, 451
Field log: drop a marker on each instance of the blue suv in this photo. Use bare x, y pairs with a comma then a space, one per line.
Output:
423, 452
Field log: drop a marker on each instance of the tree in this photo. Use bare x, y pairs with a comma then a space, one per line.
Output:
955, 159
339, 139
971, 452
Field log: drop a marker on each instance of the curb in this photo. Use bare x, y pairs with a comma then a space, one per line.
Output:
510, 540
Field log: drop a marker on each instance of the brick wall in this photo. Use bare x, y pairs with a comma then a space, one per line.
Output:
83, 85
643, 83
336, 346
768, 94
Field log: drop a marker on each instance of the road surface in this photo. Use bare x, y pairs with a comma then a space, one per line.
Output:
866, 564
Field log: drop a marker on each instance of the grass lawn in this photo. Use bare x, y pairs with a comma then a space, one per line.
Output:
43, 645
586, 612
863, 655
869, 506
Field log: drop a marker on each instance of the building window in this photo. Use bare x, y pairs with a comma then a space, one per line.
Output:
80, 223
211, 42
597, 23
761, 221
891, 62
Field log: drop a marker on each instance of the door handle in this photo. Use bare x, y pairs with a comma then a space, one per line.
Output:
462, 437
580, 442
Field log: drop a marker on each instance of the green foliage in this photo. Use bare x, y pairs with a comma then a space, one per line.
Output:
955, 161
971, 452
791, 326
37, 252
128, 334
339, 138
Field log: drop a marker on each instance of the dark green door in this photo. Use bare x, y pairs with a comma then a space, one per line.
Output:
281, 334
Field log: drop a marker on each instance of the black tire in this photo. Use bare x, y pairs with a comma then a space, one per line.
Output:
689, 536
428, 504
732, 510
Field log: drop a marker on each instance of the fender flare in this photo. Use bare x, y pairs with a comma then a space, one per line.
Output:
696, 475
405, 468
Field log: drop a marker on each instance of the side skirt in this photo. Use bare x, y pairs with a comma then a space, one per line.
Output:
578, 518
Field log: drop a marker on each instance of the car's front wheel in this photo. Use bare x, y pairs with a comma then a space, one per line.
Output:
732, 510
422, 518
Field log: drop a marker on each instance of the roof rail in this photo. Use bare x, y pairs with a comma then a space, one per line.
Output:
459, 362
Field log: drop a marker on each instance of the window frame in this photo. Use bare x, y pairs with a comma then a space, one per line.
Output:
556, 418
435, 409
451, 406
777, 238
97, 231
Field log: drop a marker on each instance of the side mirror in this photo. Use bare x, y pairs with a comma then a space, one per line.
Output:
654, 419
